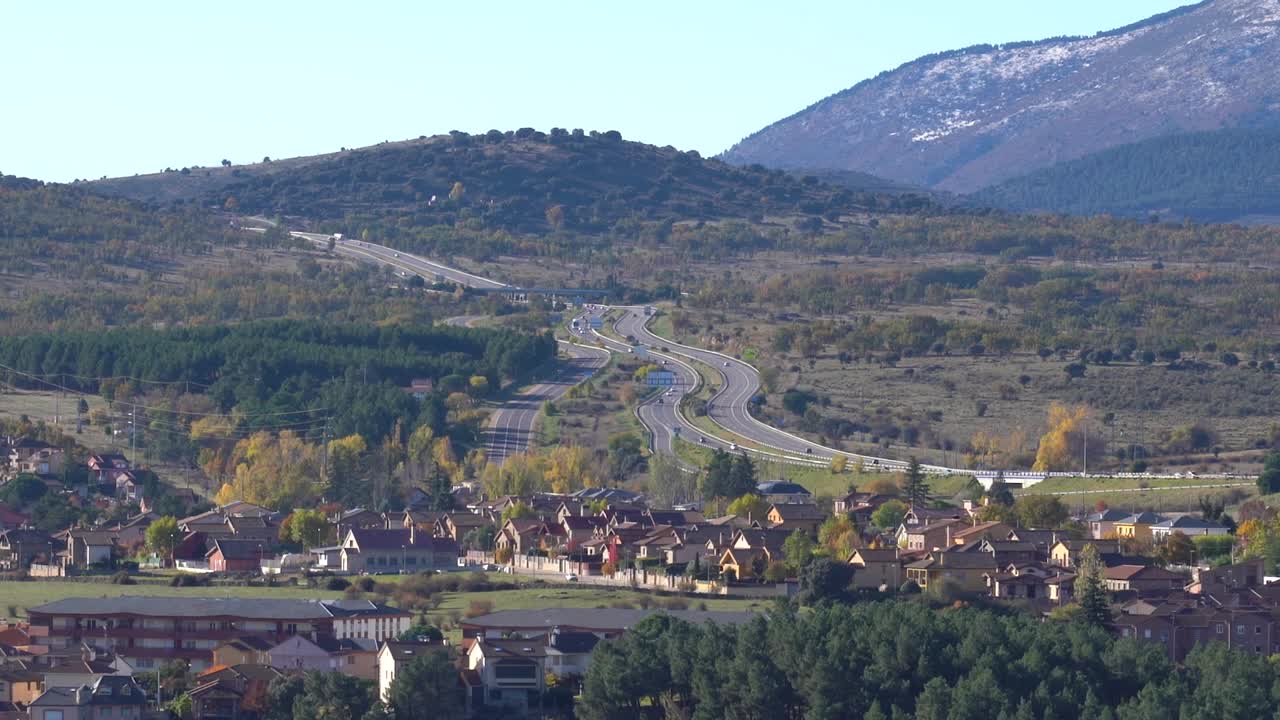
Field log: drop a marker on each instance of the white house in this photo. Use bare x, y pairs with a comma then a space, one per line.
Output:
393, 656
1187, 525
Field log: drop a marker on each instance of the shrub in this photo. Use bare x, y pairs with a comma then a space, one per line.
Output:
479, 607
123, 578
336, 584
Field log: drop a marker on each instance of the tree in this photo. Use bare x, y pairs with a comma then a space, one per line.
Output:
426, 688
1066, 440
839, 463
914, 486
743, 477
163, 536
1177, 549
421, 632
308, 528
1000, 494
798, 550
1091, 588
718, 482
336, 696
457, 191
1269, 480
838, 537
518, 510
889, 515
1041, 511
23, 490
668, 484
625, 455
749, 506
825, 579
775, 571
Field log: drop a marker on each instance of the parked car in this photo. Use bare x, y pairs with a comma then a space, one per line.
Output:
571, 578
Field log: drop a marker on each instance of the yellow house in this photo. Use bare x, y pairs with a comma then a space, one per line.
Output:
1137, 526
242, 651
20, 685
1065, 552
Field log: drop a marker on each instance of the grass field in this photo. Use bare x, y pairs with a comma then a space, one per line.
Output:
22, 595
819, 480
47, 406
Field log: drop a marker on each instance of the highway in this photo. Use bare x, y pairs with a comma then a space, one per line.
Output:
382, 255
509, 429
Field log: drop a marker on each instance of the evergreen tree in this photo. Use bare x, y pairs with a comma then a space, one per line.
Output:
743, 476
1000, 494
914, 486
1091, 589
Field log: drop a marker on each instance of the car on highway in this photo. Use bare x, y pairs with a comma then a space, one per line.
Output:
659, 401
808, 451
571, 578
396, 254
702, 440
726, 363
733, 446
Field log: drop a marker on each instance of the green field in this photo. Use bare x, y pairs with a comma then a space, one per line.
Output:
19, 596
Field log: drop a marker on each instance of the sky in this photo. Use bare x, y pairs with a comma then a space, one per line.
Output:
118, 88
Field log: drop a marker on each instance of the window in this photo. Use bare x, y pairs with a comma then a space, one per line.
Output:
1257, 629
52, 715
1239, 629
1218, 628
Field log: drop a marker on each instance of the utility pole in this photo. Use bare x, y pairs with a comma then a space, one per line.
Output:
1086, 450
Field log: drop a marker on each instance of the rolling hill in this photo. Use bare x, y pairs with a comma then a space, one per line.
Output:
963, 120
523, 182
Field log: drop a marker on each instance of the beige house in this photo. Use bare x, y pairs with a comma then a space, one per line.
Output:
876, 568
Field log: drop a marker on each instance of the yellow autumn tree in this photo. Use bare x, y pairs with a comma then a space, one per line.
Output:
520, 475
567, 469
1063, 446
275, 471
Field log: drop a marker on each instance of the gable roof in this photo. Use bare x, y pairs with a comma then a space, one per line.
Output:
1142, 518
395, 539
237, 549
781, 487
1128, 572
1189, 522
794, 512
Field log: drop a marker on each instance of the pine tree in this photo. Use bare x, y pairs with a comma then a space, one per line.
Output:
915, 487
1091, 589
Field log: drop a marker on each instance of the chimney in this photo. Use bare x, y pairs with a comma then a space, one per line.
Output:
413, 530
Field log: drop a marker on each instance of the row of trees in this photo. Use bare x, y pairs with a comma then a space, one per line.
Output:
904, 660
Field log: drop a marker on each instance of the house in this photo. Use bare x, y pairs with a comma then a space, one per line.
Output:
1024, 581
189, 628
235, 692
133, 531
1179, 629
11, 519
1102, 524
1142, 579
796, 516
20, 684
578, 529
520, 536
253, 527
1064, 553
111, 696
381, 551
968, 570
35, 457
249, 650
456, 525
1187, 525
569, 653
980, 531
236, 555
505, 675
357, 518
859, 502
420, 388
394, 655
926, 515
424, 520
1244, 575
298, 654
876, 568
76, 671
86, 548
779, 492
129, 488
1138, 525
930, 536
20, 548
105, 468
751, 552
1041, 540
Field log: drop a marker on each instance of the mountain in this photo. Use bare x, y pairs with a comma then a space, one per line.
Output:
524, 181
1218, 176
963, 120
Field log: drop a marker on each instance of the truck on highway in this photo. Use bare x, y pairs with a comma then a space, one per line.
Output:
575, 324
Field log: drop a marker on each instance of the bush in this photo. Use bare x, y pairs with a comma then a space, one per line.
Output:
479, 607
366, 584
189, 581
910, 587
336, 584
123, 578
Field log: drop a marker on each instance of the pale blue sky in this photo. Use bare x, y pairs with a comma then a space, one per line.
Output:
98, 88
